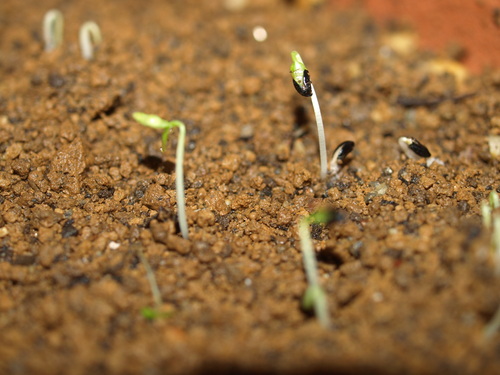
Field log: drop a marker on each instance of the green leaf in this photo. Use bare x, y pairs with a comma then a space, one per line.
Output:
150, 313
312, 294
152, 121
324, 216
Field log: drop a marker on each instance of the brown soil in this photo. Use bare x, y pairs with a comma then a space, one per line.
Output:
469, 30
408, 272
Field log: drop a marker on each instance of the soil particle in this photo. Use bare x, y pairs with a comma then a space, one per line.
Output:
408, 274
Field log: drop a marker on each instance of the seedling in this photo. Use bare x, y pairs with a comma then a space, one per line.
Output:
314, 296
53, 25
157, 122
304, 86
491, 221
339, 155
90, 36
151, 313
416, 150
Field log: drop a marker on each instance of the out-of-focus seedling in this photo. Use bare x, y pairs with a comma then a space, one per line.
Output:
157, 122
89, 36
339, 155
151, 313
304, 86
53, 27
314, 296
491, 221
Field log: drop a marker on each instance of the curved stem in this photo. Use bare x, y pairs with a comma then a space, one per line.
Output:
179, 181
90, 36
53, 25
321, 133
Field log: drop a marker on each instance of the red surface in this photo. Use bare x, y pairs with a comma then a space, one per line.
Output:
474, 25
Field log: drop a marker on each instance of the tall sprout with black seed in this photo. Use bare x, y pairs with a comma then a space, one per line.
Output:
304, 86
53, 27
315, 296
157, 122
90, 36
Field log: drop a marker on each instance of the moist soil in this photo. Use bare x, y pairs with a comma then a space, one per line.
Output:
85, 190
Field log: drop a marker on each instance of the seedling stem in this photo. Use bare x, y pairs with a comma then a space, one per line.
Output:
314, 296
157, 122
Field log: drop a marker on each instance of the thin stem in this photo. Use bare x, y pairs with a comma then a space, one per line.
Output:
53, 25
493, 326
179, 180
90, 36
321, 133
155, 290
310, 265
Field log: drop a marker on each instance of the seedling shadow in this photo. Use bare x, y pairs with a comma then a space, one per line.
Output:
156, 163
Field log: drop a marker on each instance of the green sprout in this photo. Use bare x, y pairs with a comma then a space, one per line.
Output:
152, 313
53, 25
315, 296
157, 122
304, 87
90, 36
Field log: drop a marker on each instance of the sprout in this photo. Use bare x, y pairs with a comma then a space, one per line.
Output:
491, 220
314, 296
304, 87
152, 313
90, 37
413, 148
339, 155
416, 150
157, 122
53, 26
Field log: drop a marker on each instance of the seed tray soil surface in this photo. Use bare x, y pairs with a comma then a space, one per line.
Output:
84, 190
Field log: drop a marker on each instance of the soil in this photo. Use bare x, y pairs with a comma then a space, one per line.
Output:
84, 189
466, 30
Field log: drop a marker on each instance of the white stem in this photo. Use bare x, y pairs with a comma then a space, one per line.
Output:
155, 290
495, 241
321, 133
310, 266
179, 182
53, 25
90, 36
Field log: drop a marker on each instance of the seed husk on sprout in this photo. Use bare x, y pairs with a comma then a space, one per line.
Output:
416, 150
339, 155
413, 148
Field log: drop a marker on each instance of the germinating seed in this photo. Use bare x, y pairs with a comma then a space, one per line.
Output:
339, 154
413, 148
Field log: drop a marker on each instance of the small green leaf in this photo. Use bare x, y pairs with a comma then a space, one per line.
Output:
150, 313
312, 294
324, 216
300, 75
153, 121
298, 67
